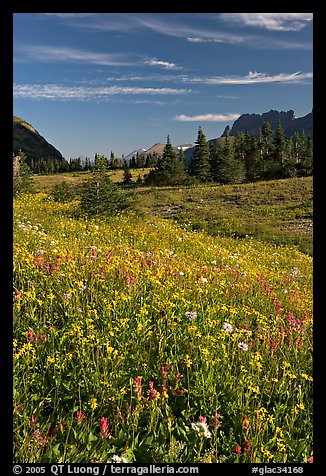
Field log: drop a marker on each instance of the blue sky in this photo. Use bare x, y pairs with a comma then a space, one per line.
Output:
118, 82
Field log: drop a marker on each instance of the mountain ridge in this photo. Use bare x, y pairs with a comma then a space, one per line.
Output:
28, 140
252, 123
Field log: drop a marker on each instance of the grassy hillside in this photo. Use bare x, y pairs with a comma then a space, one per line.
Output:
278, 211
137, 340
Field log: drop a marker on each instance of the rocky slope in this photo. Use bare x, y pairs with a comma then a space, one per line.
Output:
251, 123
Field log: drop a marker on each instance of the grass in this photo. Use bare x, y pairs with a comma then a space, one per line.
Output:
43, 183
140, 340
277, 211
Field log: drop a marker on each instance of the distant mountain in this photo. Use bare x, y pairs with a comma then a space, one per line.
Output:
218, 142
158, 149
134, 153
184, 147
27, 139
251, 123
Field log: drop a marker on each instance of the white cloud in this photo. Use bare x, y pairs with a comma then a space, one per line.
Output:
164, 64
208, 117
51, 54
63, 93
269, 21
253, 77
212, 39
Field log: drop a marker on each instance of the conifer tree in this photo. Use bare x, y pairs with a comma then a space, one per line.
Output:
252, 159
280, 145
22, 179
169, 170
228, 168
201, 166
99, 195
127, 175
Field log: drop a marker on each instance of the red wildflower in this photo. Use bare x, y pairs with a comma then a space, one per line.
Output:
34, 420
153, 394
80, 416
104, 428
247, 447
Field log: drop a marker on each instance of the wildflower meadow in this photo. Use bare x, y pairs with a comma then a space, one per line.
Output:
138, 340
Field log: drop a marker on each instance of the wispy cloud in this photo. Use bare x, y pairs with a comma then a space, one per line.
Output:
253, 77
187, 31
207, 117
183, 27
163, 64
269, 21
51, 54
210, 35
63, 93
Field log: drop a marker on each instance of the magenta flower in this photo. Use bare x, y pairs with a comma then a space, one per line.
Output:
104, 428
154, 394
238, 449
34, 420
80, 416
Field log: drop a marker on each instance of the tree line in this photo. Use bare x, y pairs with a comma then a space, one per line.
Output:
230, 159
79, 164
238, 159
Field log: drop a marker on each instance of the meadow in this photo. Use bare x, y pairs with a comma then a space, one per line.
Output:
137, 339
276, 211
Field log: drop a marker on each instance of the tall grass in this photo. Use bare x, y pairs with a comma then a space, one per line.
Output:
139, 340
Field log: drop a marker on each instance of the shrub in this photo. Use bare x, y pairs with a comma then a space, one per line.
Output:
63, 192
99, 195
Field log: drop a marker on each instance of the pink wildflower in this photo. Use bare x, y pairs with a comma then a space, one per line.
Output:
104, 428
34, 420
80, 416
138, 384
247, 446
153, 394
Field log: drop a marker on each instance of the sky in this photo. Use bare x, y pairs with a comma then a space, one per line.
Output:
101, 82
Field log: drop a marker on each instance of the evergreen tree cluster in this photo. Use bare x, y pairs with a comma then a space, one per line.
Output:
241, 158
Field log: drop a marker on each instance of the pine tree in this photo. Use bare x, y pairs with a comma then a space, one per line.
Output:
305, 163
100, 163
265, 141
289, 164
280, 145
22, 179
252, 159
169, 170
229, 169
201, 163
99, 195
127, 176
